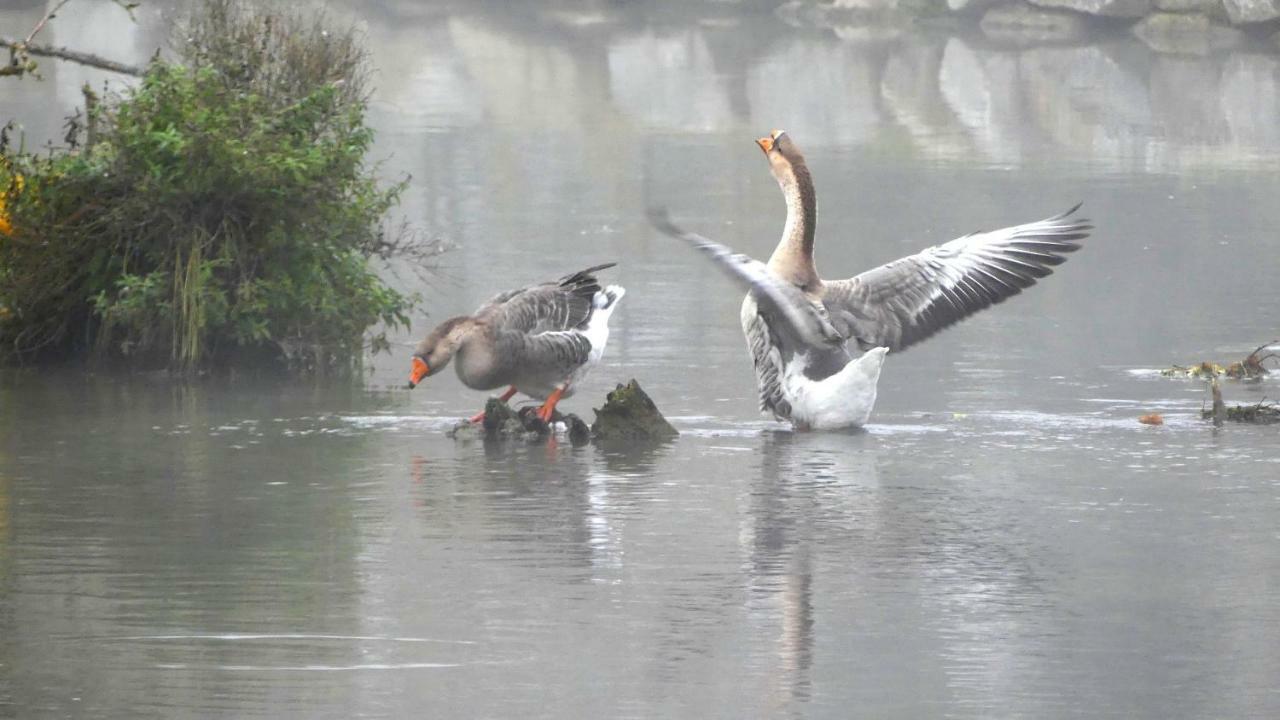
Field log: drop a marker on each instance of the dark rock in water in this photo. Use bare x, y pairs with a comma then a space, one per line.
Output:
579, 433
500, 420
531, 423
629, 416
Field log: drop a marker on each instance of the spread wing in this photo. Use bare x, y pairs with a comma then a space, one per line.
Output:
801, 322
905, 301
778, 319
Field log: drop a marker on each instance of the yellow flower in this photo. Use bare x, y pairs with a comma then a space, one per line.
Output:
15, 187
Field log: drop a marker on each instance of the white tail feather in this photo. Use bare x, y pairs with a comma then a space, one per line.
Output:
605, 299
597, 329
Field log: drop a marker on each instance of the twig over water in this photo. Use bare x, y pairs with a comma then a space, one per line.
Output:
73, 55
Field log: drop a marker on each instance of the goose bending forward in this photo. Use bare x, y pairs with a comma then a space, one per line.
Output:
803, 332
540, 340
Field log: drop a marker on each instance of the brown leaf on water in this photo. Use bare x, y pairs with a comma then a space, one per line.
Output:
1152, 419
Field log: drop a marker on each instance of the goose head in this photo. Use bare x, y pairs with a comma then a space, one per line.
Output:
438, 348
793, 258
785, 161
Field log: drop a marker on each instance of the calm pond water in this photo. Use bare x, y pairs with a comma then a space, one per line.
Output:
1005, 540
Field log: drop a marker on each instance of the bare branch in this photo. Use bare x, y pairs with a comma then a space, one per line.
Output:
40, 25
72, 55
20, 50
128, 6
1262, 347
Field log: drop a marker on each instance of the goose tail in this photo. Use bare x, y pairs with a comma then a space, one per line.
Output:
597, 330
607, 298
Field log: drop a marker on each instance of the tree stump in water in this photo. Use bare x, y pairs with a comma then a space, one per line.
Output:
629, 416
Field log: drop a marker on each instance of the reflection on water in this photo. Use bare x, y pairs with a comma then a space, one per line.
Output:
942, 95
1003, 541
293, 553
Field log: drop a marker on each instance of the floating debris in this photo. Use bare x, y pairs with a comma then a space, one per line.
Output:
1264, 413
1204, 370
1152, 419
1250, 368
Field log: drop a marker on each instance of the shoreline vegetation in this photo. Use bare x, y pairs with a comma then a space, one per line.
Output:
221, 214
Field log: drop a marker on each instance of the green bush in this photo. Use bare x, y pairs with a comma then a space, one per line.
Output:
220, 213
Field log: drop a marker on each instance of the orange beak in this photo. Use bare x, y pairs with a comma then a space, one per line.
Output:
766, 143
419, 371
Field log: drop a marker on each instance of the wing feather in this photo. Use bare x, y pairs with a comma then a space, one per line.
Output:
905, 301
803, 322
777, 317
766, 359
564, 304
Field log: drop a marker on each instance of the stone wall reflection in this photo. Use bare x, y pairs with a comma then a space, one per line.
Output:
1113, 104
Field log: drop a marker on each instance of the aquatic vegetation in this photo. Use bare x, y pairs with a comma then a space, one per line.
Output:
221, 213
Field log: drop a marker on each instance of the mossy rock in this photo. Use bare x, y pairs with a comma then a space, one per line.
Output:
500, 420
630, 416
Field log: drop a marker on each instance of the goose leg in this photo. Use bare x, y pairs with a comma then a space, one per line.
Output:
548, 409
479, 417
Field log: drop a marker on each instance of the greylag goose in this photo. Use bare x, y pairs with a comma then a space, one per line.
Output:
540, 340
803, 331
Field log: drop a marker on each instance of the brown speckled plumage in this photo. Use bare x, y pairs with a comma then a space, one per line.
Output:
537, 339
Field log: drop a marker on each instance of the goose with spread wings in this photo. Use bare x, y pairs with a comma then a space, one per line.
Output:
540, 340
804, 333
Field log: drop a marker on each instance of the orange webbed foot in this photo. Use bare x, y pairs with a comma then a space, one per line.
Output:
548, 409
